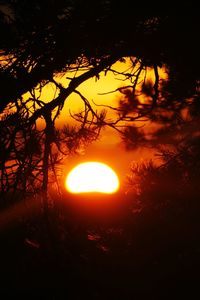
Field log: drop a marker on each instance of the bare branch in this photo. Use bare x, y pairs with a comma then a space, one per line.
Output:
70, 89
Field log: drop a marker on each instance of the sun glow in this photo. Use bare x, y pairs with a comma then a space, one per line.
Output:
92, 177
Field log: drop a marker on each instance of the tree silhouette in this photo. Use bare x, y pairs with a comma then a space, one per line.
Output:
42, 40
174, 179
153, 243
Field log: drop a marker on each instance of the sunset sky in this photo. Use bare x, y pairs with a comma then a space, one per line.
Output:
109, 148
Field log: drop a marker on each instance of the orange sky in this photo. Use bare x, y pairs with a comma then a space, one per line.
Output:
109, 149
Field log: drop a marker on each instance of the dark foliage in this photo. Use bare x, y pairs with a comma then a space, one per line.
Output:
41, 40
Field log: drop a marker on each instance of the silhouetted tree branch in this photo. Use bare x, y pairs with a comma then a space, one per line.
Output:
80, 40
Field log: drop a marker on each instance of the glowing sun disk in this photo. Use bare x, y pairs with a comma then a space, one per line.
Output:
92, 177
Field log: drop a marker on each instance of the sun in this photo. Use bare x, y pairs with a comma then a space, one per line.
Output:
91, 177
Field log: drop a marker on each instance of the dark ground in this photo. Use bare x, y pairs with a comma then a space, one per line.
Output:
87, 254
